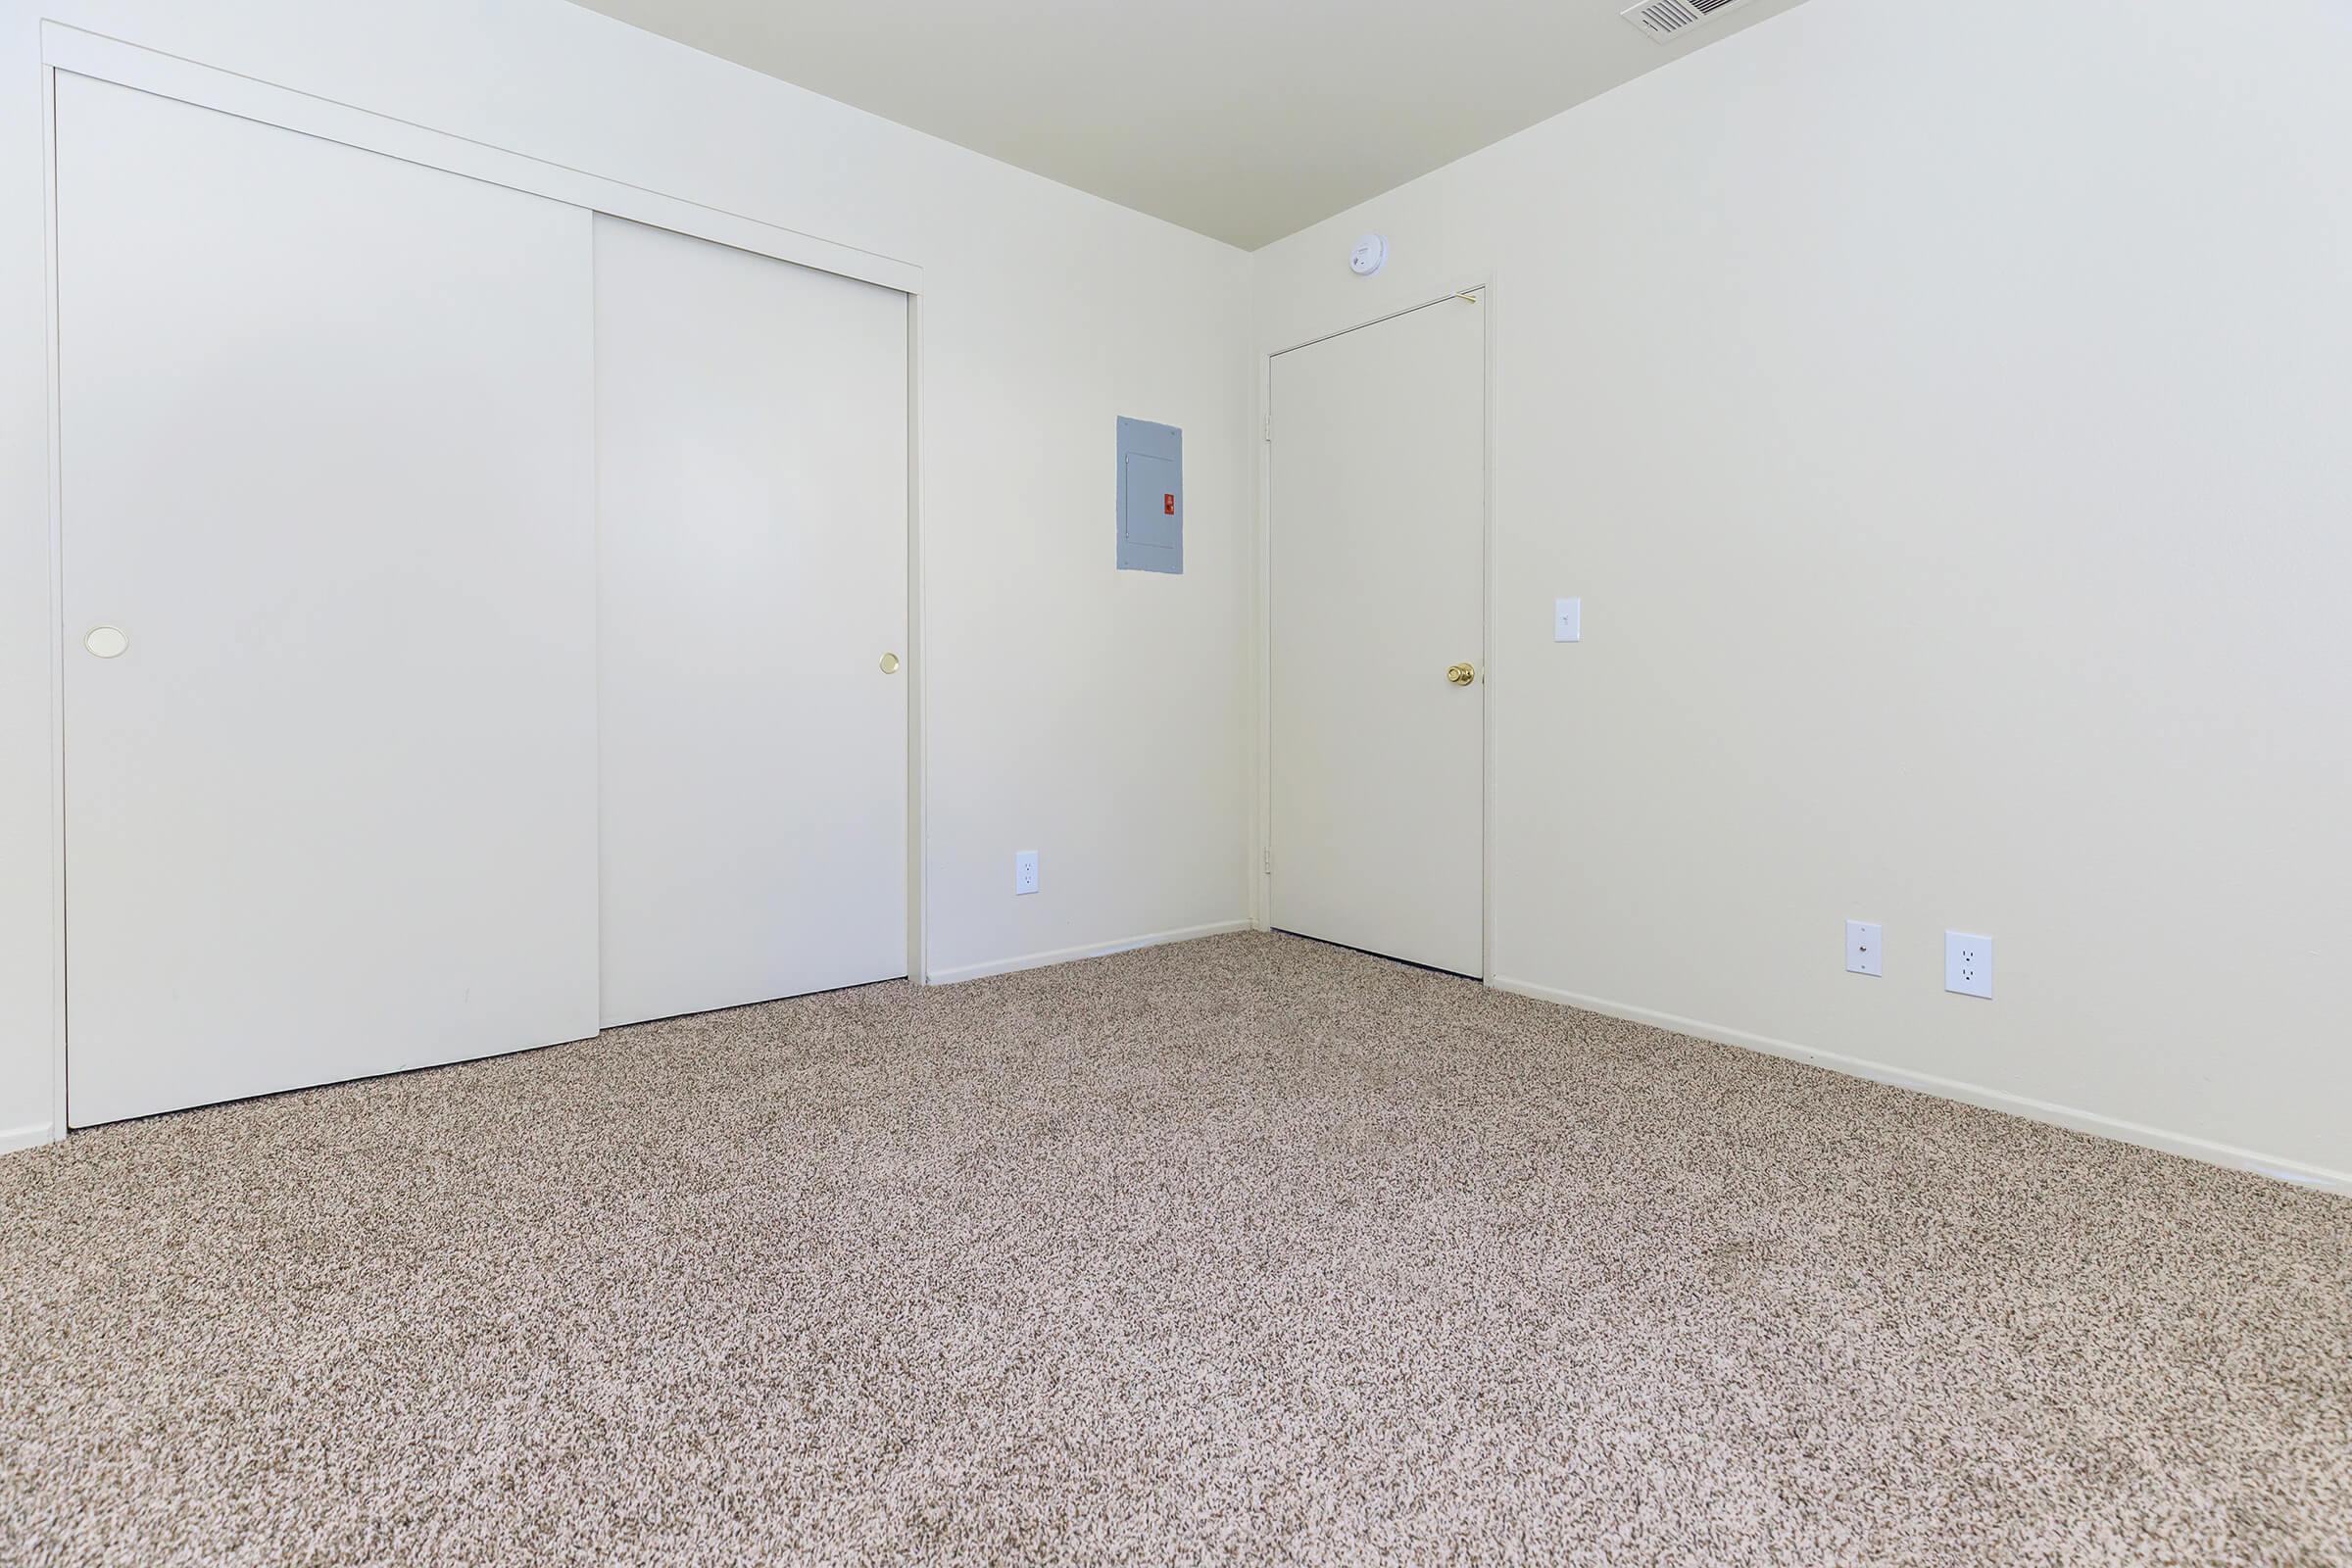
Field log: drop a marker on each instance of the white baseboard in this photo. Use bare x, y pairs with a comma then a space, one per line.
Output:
26, 1137
2067, 1116
1099, 949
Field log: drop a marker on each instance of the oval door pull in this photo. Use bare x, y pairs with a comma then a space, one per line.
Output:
106, 641
890, 664
1461, 675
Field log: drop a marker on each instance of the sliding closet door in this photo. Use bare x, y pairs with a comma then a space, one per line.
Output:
752, 528
329, 673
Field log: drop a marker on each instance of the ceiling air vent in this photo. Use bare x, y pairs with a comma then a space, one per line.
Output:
1668, 19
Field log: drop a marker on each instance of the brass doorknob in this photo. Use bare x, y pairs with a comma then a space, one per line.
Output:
1461, 675
890, 664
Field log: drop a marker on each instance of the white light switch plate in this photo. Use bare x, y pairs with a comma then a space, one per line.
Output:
1567, 620
1862, 954
1024, 872
1967, 963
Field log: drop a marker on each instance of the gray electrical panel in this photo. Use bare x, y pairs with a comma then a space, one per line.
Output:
1150, 497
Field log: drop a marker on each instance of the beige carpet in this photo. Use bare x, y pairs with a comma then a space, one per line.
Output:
1244, 1251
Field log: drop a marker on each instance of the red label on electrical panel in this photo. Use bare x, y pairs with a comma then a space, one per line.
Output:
1168, 504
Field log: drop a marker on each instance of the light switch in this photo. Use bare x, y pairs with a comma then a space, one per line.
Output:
1567, 620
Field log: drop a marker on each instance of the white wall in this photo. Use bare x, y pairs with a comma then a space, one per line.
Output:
1946, 412
1941, 409
1096, 717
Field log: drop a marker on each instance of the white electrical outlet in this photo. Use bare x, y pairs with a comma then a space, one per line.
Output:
1862, 948
1024, 872
1967, 963
1567, 620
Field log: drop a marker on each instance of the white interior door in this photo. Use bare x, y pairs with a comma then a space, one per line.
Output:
752, 501
1379, 570
326, 454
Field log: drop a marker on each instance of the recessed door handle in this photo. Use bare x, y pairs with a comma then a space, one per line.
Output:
1461, 675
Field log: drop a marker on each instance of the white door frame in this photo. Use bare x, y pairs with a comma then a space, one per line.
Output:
71, 49
1262, 851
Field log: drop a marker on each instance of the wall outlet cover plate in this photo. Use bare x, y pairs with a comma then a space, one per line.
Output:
1862, 952
1967, 963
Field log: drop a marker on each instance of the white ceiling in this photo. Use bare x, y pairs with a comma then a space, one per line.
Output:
1243, 119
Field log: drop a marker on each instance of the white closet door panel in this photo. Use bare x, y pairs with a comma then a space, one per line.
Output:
752, 527
1378, 588
328, 425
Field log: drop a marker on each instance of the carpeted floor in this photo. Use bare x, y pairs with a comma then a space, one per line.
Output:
1244, 1251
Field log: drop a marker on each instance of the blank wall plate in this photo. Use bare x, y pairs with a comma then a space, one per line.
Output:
1024, 872
1967, 963
1862, 954
1567, 620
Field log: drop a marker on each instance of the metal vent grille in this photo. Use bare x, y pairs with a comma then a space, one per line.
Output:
1664, 19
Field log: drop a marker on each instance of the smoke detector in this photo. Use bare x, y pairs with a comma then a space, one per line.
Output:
1670, 18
